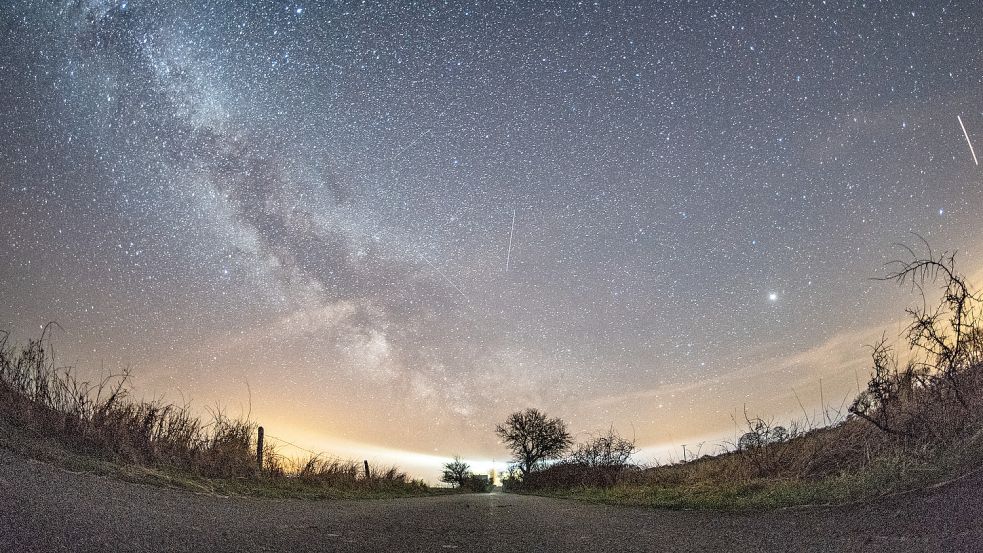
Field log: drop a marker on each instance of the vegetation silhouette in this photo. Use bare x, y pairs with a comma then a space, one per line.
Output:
917, 422
532, 437
46, 407
456, 472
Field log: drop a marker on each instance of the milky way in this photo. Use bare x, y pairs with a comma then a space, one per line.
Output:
393, 223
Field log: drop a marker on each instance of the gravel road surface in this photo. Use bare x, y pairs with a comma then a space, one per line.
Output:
44, 508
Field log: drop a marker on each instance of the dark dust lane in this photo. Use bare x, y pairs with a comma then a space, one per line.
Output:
48, 509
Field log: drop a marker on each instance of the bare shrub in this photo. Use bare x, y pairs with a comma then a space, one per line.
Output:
932, 397
926, 412
600, 461
604, 450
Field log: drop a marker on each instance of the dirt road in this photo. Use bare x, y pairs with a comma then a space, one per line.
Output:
44, 508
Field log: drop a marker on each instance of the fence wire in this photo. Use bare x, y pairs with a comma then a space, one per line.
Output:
318, 454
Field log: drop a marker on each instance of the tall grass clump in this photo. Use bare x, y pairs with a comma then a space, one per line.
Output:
103, 420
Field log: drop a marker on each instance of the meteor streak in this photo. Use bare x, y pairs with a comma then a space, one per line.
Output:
411, 144
508, 257
966, 134
449, 281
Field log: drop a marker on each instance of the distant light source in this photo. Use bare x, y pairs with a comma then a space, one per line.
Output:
772, 297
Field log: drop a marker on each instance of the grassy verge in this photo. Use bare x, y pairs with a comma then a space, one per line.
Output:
731, 481
49, 414
918, 423
882, 478
846, 463
52, 451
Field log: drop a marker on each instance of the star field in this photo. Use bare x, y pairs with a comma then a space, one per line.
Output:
316, 199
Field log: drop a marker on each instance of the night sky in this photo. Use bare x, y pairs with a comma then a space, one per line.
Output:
306, 209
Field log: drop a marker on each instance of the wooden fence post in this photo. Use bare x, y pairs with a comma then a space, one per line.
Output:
367, 475
259, 448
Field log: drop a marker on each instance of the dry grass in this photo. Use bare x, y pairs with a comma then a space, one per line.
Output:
103, 421
851, 460
916, 423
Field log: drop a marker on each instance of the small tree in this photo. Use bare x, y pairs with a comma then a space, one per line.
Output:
456, 472
533, 437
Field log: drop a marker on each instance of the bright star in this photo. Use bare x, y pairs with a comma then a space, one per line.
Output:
772, 297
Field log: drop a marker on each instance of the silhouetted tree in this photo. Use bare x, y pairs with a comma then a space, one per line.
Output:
533, 437
456, 472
